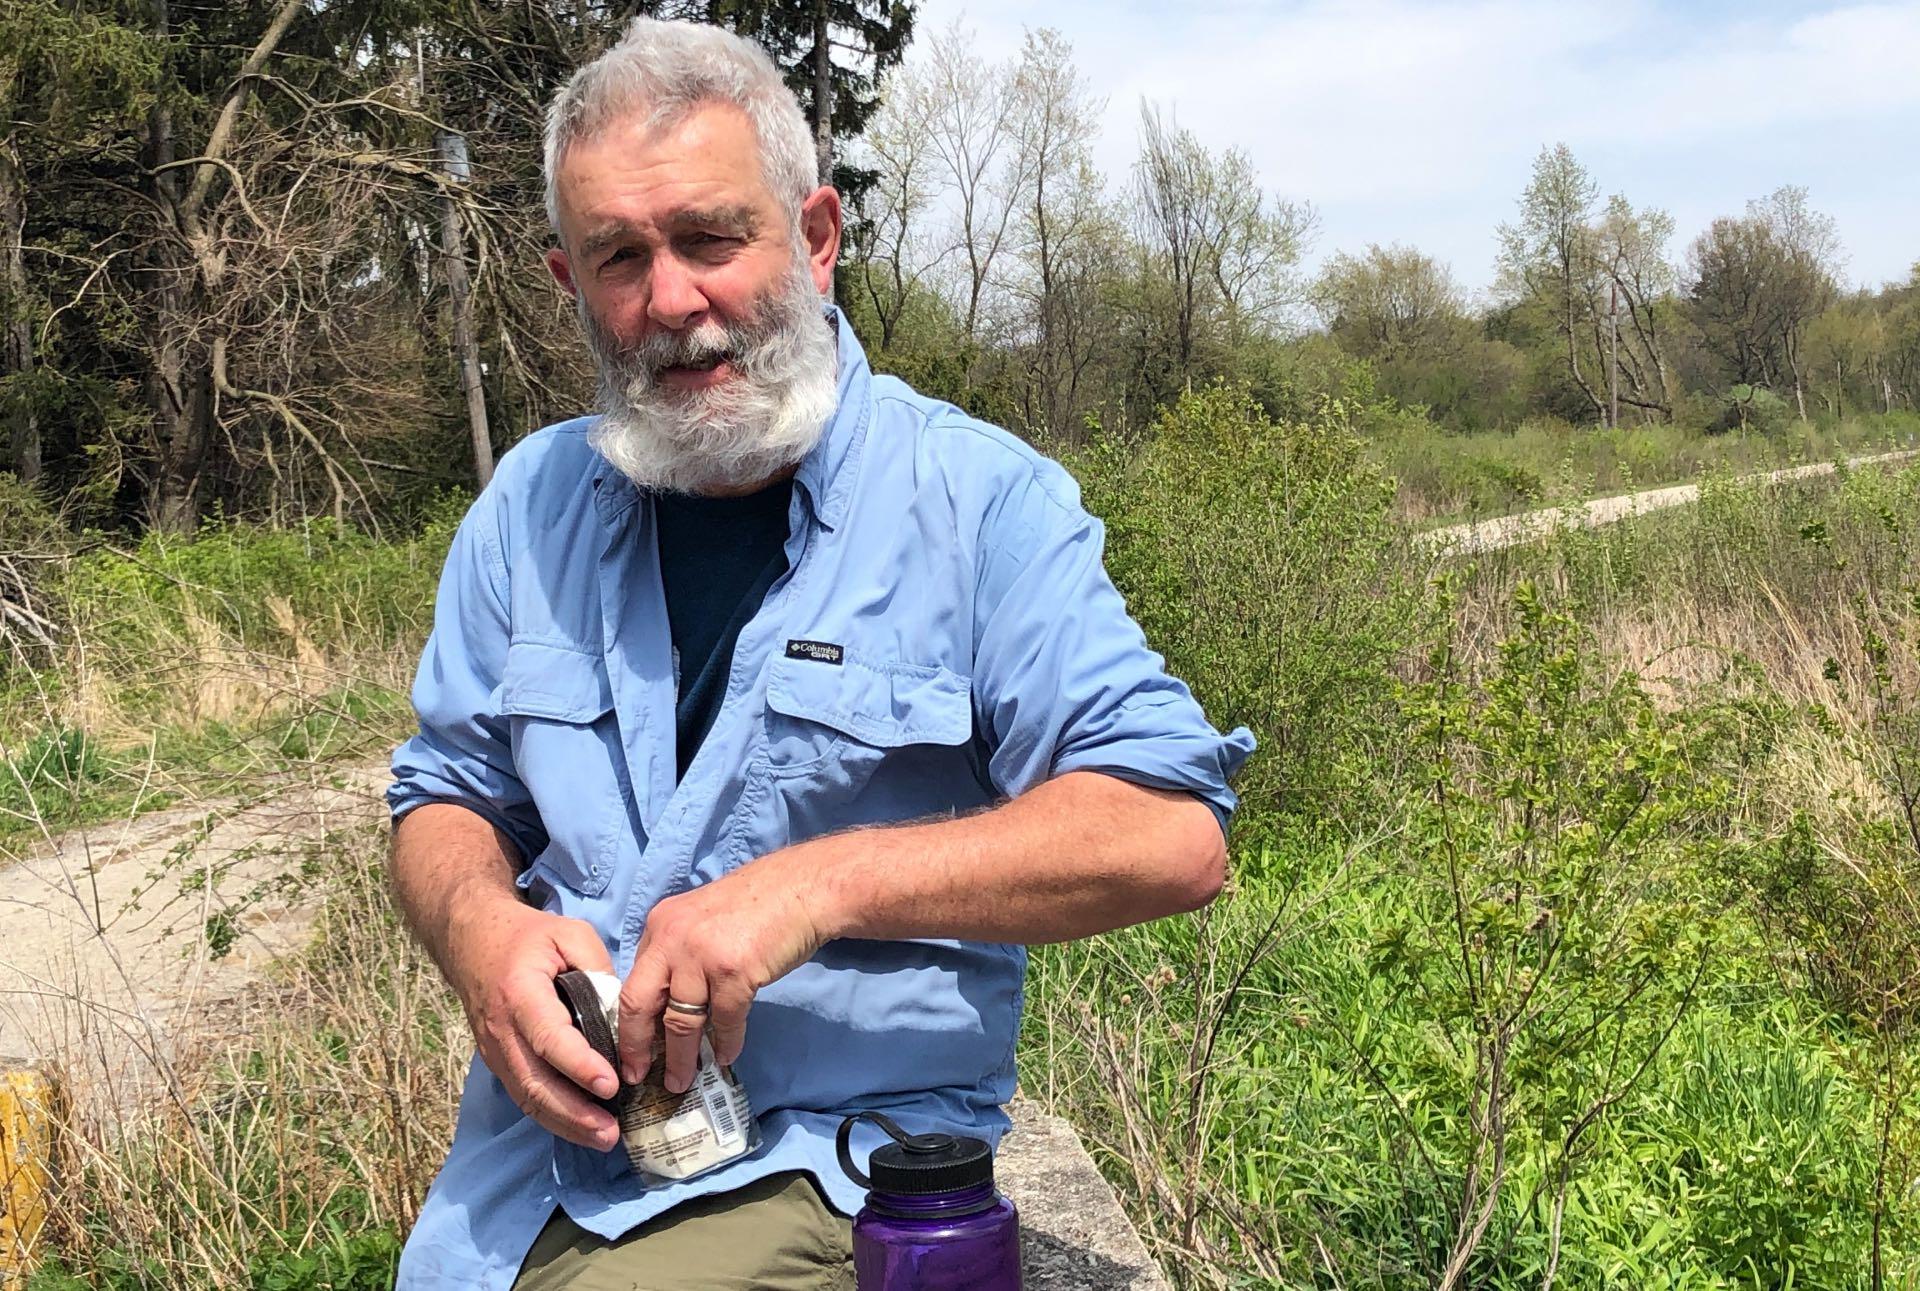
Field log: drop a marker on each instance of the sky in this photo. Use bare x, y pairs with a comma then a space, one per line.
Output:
1418, 122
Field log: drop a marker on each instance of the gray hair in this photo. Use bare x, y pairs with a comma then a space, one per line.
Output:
669, 68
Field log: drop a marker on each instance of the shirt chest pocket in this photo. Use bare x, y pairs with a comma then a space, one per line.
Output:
566, 748
865, 742
822, 715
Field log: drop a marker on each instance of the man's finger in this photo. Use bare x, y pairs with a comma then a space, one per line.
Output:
552, 1100
641, 1000
683, 1030
542, 1022
730, 1002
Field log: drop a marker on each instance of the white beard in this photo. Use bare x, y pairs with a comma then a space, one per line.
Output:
764, 419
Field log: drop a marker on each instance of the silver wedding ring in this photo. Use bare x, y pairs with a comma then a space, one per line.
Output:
691, 1010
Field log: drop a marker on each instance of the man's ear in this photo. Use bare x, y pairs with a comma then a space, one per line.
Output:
562, 270
820, 218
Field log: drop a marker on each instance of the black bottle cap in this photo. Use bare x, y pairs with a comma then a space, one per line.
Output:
918, 1165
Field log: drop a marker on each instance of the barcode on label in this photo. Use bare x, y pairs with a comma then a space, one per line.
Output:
720, 1106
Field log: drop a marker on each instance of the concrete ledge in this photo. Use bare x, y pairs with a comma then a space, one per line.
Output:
1073, 1234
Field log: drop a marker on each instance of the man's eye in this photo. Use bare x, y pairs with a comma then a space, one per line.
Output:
622, 254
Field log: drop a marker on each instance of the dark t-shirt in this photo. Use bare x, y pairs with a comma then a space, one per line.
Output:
718, 557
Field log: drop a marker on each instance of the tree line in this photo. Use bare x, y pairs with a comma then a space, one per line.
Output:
279, 258
997, 265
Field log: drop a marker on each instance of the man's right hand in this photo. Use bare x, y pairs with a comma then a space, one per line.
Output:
503, 957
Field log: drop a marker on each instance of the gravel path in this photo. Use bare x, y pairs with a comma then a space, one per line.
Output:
1529, 526
105, 961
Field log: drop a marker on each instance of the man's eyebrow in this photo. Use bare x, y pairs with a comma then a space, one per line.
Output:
605, 236
741, 221
738, 221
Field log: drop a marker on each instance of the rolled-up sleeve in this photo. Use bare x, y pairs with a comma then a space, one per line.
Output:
463, 753
1063, 677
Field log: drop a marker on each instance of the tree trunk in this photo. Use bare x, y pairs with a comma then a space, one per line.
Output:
186, 271
1570, 329
823, 91
180, 393
453, 159
1613, 358
16, 337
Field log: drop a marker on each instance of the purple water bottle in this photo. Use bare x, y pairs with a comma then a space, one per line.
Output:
933, 1221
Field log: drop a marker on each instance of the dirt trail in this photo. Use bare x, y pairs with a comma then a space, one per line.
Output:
106, 964
1528, 526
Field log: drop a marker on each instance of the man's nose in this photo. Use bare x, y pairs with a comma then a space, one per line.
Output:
674, 299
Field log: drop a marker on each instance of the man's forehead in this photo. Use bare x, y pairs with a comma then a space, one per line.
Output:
707, 156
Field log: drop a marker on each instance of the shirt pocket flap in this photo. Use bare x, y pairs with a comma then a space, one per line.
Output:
554, 682
885, 704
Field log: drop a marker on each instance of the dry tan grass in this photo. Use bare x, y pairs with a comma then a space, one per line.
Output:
325, 1095
265, 1123
210, 675
1828, 777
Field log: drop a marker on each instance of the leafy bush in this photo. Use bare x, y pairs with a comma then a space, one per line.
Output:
1261, 559
1467, 1044
1755, 408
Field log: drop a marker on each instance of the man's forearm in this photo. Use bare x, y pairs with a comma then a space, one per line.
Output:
1075, 856
447, 863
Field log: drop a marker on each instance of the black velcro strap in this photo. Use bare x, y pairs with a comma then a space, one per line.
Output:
583, 1003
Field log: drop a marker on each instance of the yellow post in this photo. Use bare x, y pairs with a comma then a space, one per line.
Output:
29, 1099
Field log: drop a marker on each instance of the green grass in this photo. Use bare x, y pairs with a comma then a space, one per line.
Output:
1450, 477
1745, 1158
185, 667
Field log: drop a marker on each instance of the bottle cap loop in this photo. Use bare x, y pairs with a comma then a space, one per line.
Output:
915, 1165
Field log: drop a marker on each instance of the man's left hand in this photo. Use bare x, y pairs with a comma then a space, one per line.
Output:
716, 945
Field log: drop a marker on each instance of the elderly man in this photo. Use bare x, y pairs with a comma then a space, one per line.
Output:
790, 696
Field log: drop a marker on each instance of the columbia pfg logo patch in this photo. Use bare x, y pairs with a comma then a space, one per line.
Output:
818, 651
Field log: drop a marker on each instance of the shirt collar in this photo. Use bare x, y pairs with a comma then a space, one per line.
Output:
825, 476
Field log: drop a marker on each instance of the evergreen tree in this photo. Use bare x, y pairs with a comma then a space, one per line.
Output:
836, 54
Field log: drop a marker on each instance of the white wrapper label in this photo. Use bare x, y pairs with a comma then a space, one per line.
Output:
676, 1136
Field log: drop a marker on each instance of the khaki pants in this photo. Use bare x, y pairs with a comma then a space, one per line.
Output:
775, 1234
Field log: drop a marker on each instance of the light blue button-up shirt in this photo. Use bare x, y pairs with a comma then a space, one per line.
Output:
977, 649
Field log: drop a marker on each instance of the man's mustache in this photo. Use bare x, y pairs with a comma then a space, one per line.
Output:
652, 355
699, 348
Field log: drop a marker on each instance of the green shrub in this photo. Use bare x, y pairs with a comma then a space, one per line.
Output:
1261, 559
1755, 408
1485, 1010
50, 775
